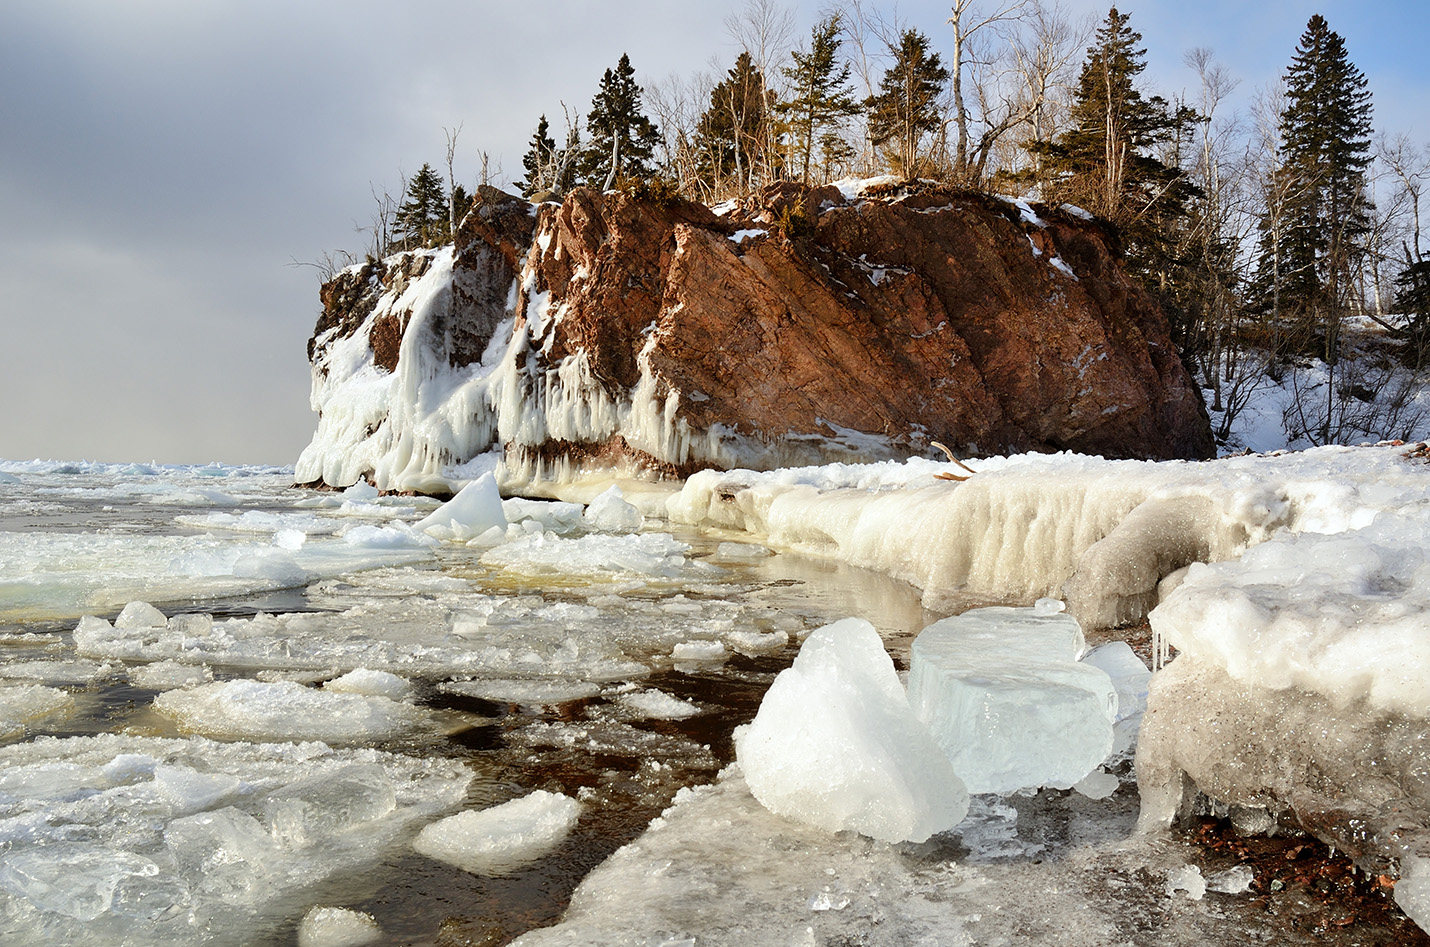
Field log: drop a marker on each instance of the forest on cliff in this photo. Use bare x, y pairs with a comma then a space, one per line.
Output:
1283, 243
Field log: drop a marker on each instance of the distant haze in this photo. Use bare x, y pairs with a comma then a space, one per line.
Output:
164, 163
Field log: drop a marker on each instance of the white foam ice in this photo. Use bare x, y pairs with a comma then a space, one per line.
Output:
1007, 700
658, 555
503, 838
286, 710
112, 839
370, 683
536, 693
836, 745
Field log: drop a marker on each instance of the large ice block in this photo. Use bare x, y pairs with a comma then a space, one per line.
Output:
1007, 700
835, 744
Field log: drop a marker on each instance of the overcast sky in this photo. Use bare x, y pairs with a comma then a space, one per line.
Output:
163, 163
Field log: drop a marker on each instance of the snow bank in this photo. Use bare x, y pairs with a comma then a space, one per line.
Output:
499, 840
835, 744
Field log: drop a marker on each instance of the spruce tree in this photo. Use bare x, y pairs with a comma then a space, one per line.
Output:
1108, 160
539, 160
422, 219
730, 135
906, 107
820, 93
1314, 237
623, 139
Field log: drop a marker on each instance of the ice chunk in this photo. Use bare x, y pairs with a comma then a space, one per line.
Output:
329, 804
337, 927
140, 615
539, 692
476, 508
167, 675
835, 744
285, 710
1004, 695
1236, 880
658, 705
371, 684
227, 850
1412, 891
699, 651
503, 838
1186, 878
1128, 674
26, 703
1098, 784
75, 880
610, 513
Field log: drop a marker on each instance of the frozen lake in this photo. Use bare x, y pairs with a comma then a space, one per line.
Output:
229, 707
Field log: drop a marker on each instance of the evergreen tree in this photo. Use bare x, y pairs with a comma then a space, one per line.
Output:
422, 219
1313, 239
1108, 160
623, 139
730, 135
539, 160
820, 92
906, 107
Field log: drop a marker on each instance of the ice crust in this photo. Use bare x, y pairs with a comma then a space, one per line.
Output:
140, 840
23, 704
835, 744
1008, 702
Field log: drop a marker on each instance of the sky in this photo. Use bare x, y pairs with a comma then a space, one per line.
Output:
168, 167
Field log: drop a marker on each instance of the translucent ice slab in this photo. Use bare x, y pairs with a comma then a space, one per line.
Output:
1004, 695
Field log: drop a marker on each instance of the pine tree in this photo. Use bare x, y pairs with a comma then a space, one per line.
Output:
730, 136
1314, 237
1107, 161
906, 107
539, 160
623, 139
821, 96
422, 219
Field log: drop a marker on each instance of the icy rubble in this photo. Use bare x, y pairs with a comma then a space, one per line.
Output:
836, 745
503, 838
138, 840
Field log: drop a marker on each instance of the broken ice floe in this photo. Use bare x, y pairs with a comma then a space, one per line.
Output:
24, 704
337, 927
114, 839
501, 839
286, 710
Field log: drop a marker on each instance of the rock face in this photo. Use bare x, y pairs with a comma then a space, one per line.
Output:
805, 326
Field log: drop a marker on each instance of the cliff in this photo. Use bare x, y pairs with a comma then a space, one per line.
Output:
802, 326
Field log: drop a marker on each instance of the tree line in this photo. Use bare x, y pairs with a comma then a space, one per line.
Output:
1258, 232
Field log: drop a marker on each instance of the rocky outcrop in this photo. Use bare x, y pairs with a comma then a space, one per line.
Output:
804, 326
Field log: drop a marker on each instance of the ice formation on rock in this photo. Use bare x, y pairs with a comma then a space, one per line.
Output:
501, 839
1007, 700
835, 744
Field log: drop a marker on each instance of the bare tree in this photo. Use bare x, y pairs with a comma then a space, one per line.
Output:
764, 29
452, 177
1045, 52
968, 21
